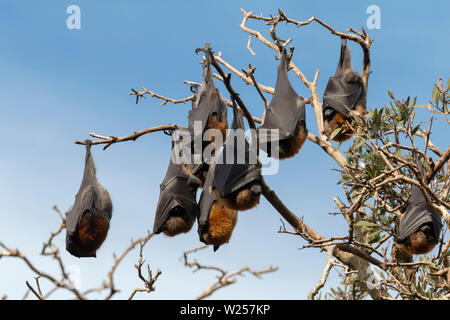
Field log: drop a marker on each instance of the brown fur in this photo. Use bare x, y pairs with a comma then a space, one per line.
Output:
340, 121
240, 200
418, 243
290, 147
214, 123
187, 169
176, 225
221, 224
92, 232
201, 175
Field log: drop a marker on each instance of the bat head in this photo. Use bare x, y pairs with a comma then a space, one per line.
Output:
178, 222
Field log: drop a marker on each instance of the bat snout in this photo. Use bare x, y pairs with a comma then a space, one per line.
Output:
256, 190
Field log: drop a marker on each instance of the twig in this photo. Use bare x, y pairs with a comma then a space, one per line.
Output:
224, 278
112, 139
141, 94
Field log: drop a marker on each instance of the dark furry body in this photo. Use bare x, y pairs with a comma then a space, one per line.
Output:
179, 222
221, 225
92, 232
290, 147
420, 242
243, 199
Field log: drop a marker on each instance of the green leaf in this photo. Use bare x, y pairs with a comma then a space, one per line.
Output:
415, 129
437, 96
448, 84
335, 133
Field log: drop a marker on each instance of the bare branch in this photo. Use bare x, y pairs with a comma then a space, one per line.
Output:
224, 278
141, 94
133, 244
325, 274
131, 137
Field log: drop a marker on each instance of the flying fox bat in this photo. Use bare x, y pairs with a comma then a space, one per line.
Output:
344, 92
211, 111
88, 220
238, 184
286, 113
420, 225
177, 206
216, 222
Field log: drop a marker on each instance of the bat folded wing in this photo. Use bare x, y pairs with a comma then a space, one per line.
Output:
85, 200
342, 96
415, 217
230, 178
285, 111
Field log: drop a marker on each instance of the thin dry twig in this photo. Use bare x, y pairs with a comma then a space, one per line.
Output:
224, 278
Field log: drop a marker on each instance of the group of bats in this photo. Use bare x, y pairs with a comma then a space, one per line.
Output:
229, 188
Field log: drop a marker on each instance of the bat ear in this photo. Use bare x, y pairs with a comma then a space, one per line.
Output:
216, 247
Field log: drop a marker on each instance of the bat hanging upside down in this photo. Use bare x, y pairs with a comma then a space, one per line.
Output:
177, 206
210, 111
238, 184
285, 114
89, 219
420, 225
216, 222
344, 92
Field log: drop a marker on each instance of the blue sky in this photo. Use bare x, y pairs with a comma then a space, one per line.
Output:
56, 85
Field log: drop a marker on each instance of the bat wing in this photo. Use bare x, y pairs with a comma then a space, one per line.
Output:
345, 88
206, 202
209, 101
84, 201
417, 214
285, 110
175, 190
342, 96
230, 177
